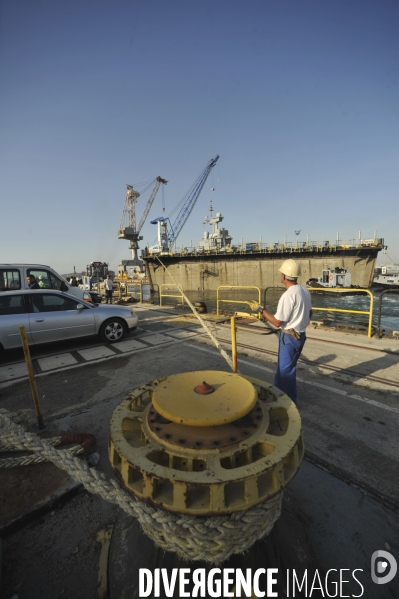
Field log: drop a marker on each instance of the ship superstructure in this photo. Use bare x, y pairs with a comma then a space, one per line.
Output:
218, 239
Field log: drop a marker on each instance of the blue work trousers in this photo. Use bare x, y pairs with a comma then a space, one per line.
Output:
289, 350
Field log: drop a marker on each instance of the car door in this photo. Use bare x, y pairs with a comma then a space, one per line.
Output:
55, 317
13, 314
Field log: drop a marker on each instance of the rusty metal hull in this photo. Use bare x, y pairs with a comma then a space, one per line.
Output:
206, 272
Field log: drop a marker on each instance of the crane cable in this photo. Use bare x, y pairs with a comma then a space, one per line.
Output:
148, 183
143, 183
203, 324
183, 199
163, 198
185, 196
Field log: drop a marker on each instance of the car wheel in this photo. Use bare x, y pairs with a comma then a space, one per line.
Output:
112, 330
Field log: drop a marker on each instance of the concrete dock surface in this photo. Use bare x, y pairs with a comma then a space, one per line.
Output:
342, 506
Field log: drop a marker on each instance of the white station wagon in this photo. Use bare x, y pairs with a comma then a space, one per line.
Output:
50, 315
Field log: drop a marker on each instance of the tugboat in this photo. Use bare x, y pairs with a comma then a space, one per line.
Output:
386, 277
334, 279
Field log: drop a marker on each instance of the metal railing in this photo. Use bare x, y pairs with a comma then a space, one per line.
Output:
162, 295
282, 289
297, 246
343, 289
235, 301
380, 313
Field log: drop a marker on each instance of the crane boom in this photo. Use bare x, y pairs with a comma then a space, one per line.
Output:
189, 204
154, 192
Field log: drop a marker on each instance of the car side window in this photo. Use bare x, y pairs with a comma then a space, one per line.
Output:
55, 282
45, 278
52, 303
9, 279
11, 304
41, 276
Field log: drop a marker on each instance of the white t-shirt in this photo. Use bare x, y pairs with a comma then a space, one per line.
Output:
108, 284
294, 308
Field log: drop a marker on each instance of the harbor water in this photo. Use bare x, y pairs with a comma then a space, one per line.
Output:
231, 299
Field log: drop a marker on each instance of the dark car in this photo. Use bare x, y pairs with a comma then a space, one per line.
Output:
96, 297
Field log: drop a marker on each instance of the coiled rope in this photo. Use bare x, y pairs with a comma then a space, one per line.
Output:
211, 539
25, 418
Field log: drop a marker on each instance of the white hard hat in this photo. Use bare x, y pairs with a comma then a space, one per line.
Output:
291, 268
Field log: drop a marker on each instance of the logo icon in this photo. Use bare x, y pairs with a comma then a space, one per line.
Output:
383, 567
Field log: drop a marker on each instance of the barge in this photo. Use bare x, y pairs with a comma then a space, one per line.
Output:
216, 261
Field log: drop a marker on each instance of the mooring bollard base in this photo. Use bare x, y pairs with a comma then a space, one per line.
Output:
131, 551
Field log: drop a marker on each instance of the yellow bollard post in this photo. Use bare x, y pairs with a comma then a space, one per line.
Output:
234, 343
31, 374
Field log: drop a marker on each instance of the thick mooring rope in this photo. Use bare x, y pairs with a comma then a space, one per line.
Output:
202, 322
211, 539
25, 418
32, 458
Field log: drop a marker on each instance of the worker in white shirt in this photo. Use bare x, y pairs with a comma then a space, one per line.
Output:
293, 315
109, 288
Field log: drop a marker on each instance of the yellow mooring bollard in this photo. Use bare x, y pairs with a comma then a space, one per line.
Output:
209, 444
234, 343
31, 374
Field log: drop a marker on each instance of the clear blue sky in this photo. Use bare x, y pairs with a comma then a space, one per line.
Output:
300, 99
